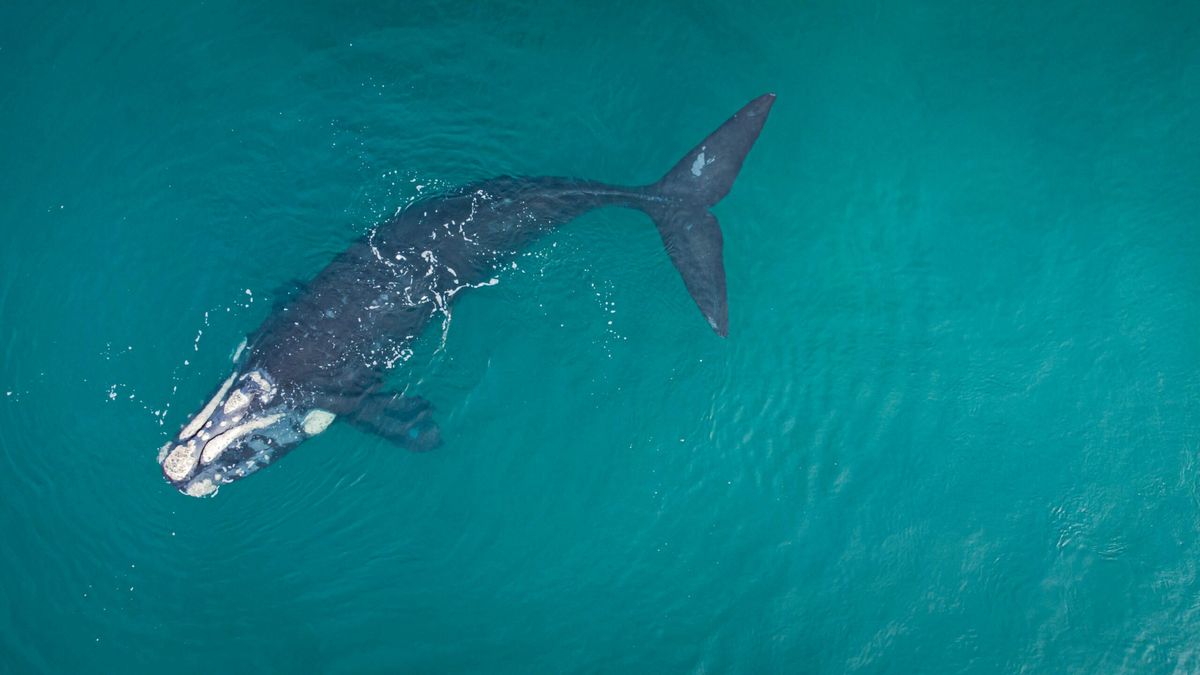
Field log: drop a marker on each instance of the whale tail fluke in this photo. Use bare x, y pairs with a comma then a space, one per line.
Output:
689, 230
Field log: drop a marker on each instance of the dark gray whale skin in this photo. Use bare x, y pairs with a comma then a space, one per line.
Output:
324, 354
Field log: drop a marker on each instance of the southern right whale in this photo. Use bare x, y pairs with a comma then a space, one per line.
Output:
323, 354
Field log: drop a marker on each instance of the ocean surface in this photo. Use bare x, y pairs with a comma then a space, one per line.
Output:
955, 426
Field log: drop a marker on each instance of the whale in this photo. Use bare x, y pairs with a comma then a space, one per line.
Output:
323, 354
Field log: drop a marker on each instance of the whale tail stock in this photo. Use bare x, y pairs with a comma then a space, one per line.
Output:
681, 202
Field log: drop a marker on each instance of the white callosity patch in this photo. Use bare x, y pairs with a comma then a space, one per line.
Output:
316, 421
182, 460
207, 432
700, 162
216, 446
202, 417
266, 389
237, 353
201, 488
237, 400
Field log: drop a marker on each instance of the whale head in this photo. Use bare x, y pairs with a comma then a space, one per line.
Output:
247, 424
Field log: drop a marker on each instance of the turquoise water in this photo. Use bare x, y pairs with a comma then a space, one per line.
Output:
955, 426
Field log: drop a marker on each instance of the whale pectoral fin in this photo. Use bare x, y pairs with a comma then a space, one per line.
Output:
406, 421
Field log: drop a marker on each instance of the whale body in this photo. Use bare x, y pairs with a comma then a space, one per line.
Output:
322, 356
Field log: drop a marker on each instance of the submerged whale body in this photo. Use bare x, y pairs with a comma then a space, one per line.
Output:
322, 356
